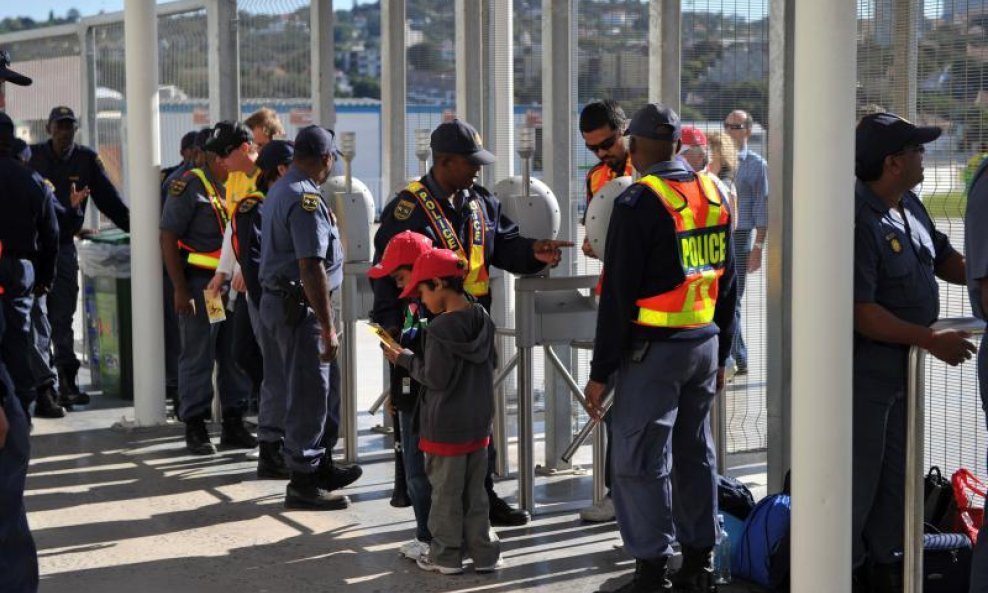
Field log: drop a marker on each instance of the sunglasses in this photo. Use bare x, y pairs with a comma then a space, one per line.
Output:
605, 145
728, 126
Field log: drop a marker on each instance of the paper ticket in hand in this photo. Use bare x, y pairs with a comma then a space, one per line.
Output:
383, 335
215, 310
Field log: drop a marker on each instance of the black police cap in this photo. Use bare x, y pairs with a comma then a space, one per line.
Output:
61, 113
189, 140
314, 141
202, 137
655, 121
880, 134
459, 137
274, 153
228, 135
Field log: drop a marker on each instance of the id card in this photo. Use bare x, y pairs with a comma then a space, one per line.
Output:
215, 310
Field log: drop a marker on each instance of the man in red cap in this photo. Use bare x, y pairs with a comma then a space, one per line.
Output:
694, 150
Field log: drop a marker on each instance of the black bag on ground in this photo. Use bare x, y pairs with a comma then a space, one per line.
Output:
734, 497
946, 562
940, 508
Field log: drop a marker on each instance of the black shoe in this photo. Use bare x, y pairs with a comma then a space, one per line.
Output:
45, 405
197, 437
69, 393
334, 476
503, 515
235, 434
304, 492
270, 462
697, 572
649, 577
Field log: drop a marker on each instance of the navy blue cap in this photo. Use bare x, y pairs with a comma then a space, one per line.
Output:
459, 137
274, 153
315, 141
21, 150
880, 134
189, 140
227, 136
61, 113
655, 121
202, 137
8, 75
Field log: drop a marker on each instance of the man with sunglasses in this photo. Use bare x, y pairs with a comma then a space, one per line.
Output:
192, 227
602, 125
77, 173
898, 256
751, 182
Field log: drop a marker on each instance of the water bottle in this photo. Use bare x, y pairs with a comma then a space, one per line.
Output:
722, 555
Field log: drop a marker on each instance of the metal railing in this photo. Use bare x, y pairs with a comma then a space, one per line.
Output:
915, 463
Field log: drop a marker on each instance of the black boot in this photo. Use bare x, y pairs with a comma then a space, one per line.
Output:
69, 393
697, 573
333, 476
197, 437
502, 514
649, 577
304, 492
399, 496
235, 434
270, 462
45, 405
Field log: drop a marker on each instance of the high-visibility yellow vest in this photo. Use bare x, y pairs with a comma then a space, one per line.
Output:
207, 260
702, 228
602, 174
477, 282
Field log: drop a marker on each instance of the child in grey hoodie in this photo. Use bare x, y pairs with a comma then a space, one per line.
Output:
456, 371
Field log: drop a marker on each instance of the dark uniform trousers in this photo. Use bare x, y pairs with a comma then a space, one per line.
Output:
173, 338
271, 405
312, 405
41, 367
203, 346
62, 302
17, 278
661, 413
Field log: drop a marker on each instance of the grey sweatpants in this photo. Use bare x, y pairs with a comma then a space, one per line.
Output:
459, 517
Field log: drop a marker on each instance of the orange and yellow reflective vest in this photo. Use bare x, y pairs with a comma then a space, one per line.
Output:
477, 282
207, 260
601, 174
702, 230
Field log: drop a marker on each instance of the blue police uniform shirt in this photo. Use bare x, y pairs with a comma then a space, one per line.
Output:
172, 175
296, 225
895, 258
641, 260
504, 246
975, 237
28, 228
189, 212
82, 166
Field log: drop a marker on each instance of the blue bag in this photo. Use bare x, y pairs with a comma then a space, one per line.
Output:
765, 531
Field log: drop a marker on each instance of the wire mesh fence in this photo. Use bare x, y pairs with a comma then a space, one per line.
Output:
55, 64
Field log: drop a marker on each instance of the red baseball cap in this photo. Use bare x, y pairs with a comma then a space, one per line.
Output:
435, 263
693, 137
402, 250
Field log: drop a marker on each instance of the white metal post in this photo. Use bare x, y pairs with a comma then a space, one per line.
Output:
469, 63
906, 17
824, 43
664, 51
224, 60
323, 64
143, 170
393, 62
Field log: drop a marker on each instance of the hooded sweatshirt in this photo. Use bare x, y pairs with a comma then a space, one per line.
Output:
456, 371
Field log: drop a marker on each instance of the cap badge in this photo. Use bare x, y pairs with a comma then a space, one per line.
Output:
478, 140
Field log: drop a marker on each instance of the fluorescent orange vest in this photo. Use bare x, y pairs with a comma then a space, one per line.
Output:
702, 228
202, 259
477, 281
602, 174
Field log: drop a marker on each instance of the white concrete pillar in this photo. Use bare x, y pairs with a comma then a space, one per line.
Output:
323, 63
143, 170
824, 44
393, 61
664, 52
223, 59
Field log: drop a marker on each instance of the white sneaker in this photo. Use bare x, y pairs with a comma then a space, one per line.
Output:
599, 513
425, 563
414, 549
489, 569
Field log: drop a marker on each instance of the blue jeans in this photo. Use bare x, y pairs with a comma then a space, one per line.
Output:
742, 249
419, 489
979, 564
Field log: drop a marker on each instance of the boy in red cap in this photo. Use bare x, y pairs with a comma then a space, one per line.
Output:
456, 411
411, 484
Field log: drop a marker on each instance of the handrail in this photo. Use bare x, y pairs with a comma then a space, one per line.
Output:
915, 436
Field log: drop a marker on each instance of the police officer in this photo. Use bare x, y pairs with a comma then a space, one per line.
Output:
898, 256
192, 227
668, 292
450, 208
976, 249
29, 232
187, 148
301, 265
73, 169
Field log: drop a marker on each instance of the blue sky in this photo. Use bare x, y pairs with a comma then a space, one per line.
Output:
39, 10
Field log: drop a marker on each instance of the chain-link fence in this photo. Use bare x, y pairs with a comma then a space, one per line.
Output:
55, 64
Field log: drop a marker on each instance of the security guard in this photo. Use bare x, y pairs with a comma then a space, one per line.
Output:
670, 289
301, 265
898, 256
192, 226
72, 168
273, 162
29, 232
457, 214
